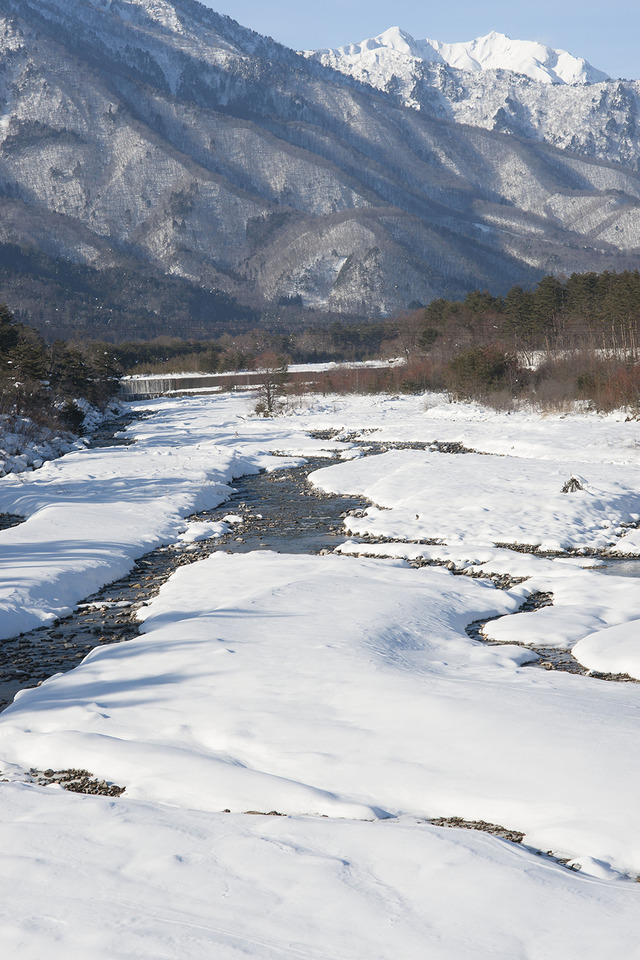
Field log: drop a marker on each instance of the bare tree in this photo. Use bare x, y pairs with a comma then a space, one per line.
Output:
272, 375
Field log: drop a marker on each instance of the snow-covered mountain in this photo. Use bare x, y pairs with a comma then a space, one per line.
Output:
493, 52
161, 134
510, 86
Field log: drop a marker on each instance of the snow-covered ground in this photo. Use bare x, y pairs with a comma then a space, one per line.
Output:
341, 691
26, 445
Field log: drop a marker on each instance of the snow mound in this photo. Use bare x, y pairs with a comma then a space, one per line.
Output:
136, 880
615, 650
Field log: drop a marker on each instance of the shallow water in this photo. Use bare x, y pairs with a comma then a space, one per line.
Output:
284, 513
8, 520
620, 568
281, 513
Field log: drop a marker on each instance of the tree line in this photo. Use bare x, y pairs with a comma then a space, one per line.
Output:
589, 309
568, 338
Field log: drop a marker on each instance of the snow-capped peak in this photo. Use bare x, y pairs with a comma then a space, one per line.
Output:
495, 51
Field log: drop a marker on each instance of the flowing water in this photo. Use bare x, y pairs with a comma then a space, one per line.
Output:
279, 511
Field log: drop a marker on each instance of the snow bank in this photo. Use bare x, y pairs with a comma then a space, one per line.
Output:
335, 690
87, 876
571, 438
614, 650
92, 512
342, 687
467, 497
583, 601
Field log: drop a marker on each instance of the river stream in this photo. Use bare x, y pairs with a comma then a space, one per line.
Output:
278, 511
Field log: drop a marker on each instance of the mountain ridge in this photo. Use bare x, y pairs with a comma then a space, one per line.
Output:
495, 51
584, 111
165, 134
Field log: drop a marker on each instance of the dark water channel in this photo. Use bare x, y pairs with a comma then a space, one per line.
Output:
279, 511
110, 433
8, 520
284, 513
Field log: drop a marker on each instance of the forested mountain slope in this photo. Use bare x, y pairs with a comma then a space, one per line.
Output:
162, 136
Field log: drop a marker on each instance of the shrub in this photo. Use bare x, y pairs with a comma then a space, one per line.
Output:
480, 370
71, 416
272, 376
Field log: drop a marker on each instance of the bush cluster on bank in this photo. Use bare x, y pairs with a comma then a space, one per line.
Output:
566, 340
43, 382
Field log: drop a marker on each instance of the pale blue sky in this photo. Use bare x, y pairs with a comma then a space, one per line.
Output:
607, 34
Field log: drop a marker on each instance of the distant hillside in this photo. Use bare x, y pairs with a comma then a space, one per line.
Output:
69, 300
151, 138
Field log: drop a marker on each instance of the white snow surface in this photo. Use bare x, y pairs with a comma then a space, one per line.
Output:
204, 530
118, 880
341, 691
90, 513
495, 51
457, 501
613, 650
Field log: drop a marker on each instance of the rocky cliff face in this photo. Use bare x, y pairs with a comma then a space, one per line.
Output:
162, 134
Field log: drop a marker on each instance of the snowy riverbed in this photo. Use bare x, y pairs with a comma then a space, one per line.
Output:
340, 691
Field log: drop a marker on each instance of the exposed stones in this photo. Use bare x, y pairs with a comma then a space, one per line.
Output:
77, 781
533, 548
503, 581
548, 658
515, 836
8, 520
107, 434
618, 677
376, 446
535, 601
476, 629
261, 813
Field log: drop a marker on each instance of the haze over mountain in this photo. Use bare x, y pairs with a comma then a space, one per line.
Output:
161, 137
